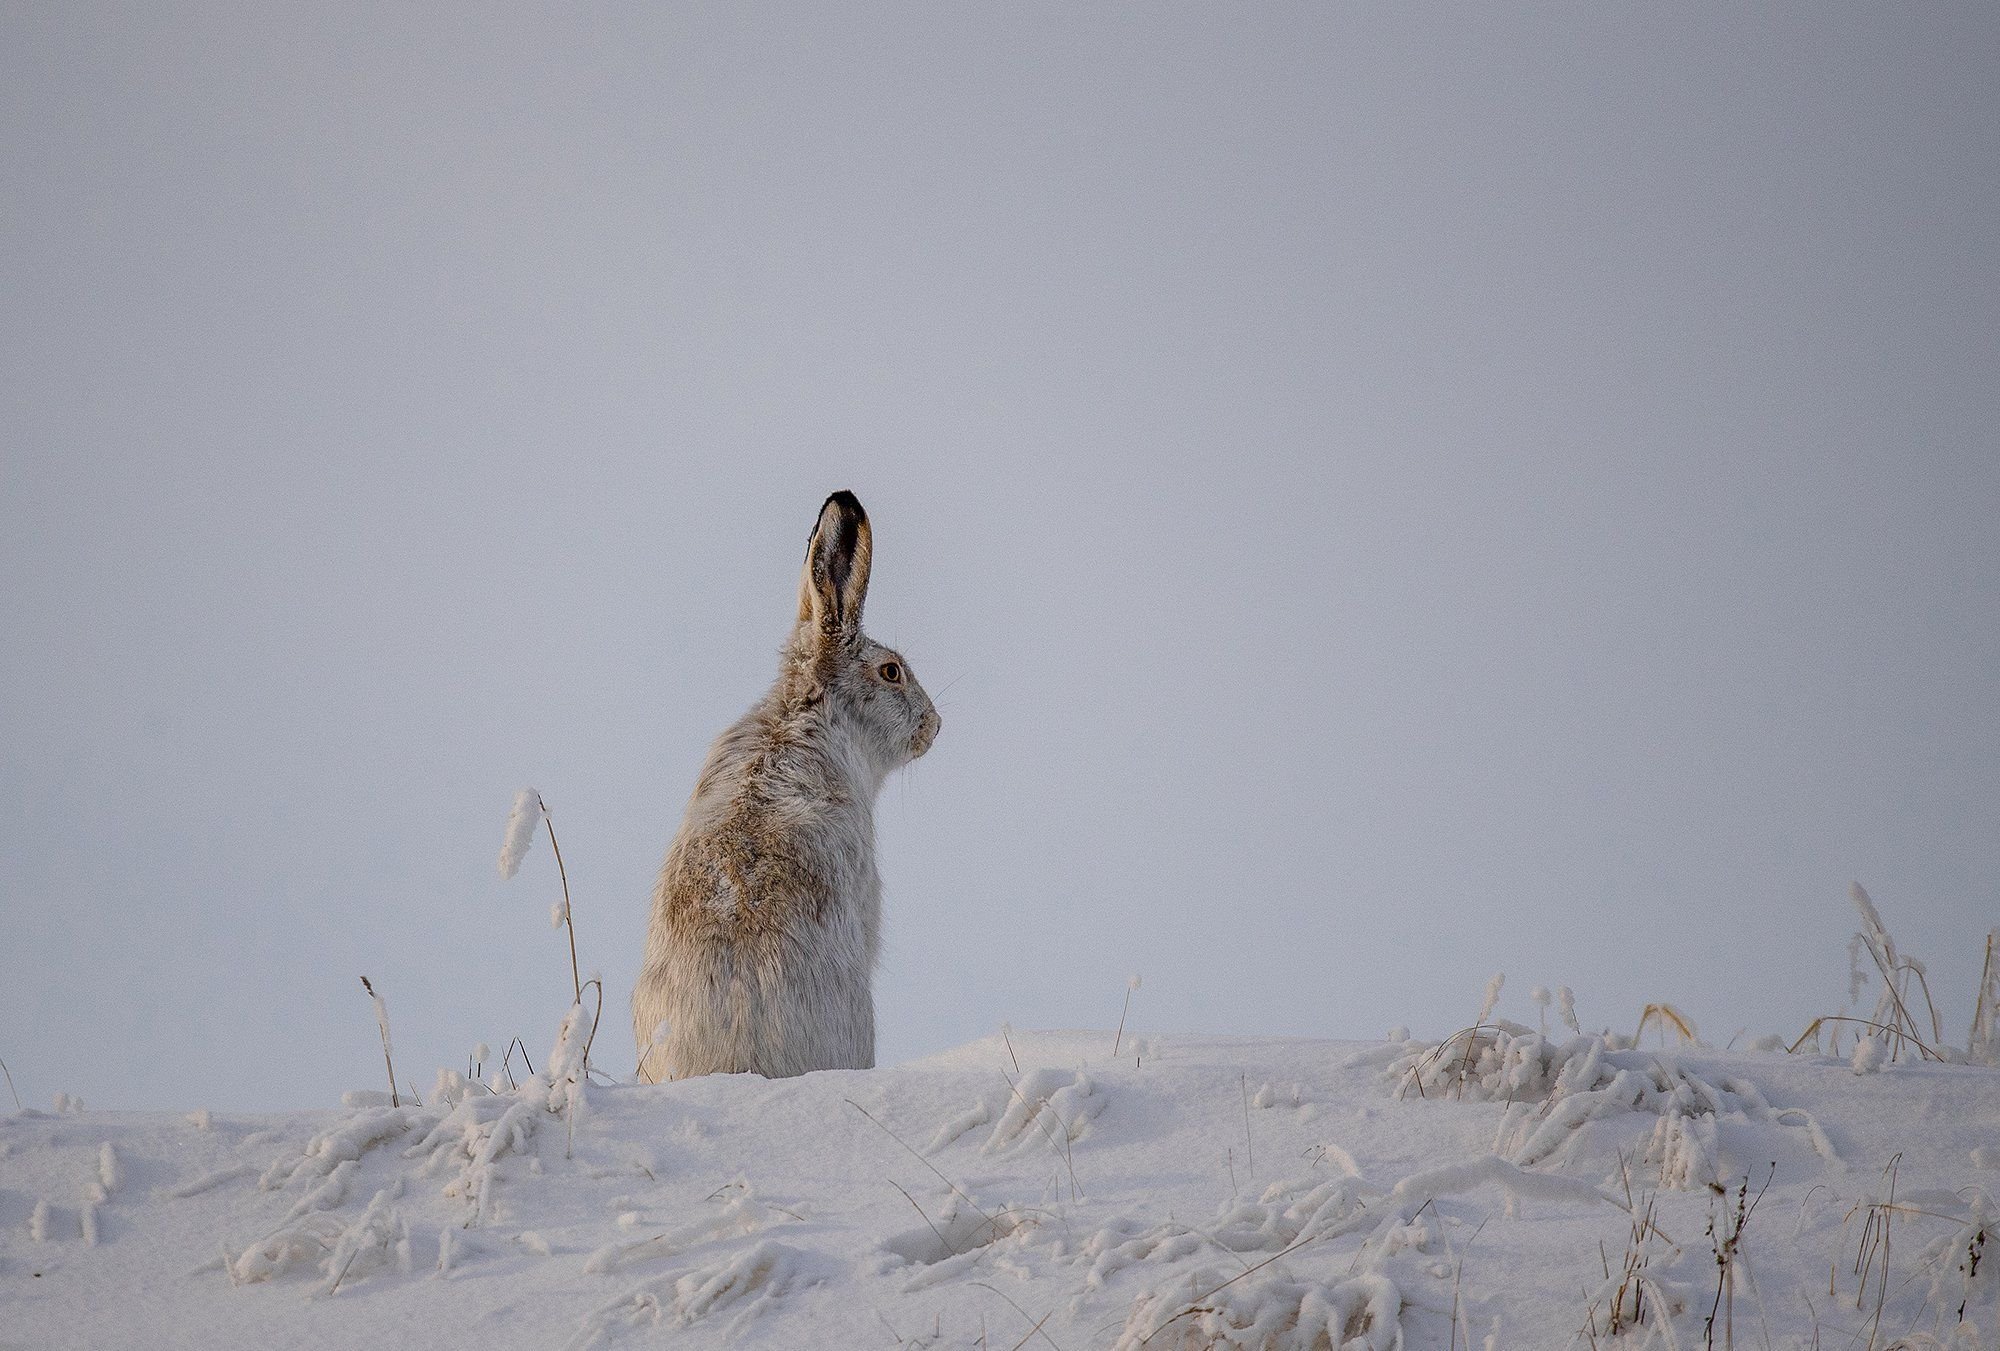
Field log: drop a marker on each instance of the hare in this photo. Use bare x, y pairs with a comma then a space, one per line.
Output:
766, 915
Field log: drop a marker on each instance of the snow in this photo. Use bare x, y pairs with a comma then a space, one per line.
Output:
521, 823
1496, 1187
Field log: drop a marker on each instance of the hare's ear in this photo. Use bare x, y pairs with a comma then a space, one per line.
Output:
835, 580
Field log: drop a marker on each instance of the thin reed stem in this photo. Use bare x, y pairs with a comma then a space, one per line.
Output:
382, 1025
569, 916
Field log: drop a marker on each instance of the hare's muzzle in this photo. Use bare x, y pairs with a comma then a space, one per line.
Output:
927, 731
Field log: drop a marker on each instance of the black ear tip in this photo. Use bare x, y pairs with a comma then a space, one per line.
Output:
849, 504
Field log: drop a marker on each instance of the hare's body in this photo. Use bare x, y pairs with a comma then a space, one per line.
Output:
766, 918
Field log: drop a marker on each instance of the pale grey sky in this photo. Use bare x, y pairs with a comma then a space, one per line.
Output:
1383, 495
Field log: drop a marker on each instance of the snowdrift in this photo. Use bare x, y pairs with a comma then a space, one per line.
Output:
1502, 1188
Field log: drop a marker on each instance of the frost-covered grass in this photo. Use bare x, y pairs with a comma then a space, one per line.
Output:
1893, 1030
1502, 1186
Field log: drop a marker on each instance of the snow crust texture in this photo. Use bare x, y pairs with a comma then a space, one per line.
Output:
1496, 1189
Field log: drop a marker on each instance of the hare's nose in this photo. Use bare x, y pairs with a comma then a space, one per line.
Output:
927, 731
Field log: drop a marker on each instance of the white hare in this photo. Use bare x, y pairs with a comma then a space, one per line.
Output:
766, 916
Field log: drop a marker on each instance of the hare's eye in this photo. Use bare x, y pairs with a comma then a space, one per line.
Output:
891, 672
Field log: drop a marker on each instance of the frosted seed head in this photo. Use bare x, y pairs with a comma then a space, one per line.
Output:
1492, 996
521, 823
1566, 1008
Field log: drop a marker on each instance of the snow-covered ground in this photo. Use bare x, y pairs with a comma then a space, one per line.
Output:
1034, 1189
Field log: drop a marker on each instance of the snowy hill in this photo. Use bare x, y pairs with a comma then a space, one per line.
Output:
1033, 1190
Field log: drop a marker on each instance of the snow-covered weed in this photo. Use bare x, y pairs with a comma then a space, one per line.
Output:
1725, 1231
528, 812
1952, 1272
1118, 1037
1263, 1303
1893, 1025
382, 1024
747, 1281
1054, 1104
960, 1237
1982, 1045
739, 1216
1964, 1284
340, 1252
1051, 1105
1267, 1310
1552, 1090
466, 1131
1639, 1299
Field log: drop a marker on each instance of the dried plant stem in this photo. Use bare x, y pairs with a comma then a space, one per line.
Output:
1033, 1331
1249, 1150
507, 1060
1980, 1016
1813, 1027
1119, 1036
956, 1189
942, 1240
1665, 1016
593, 1018
1062, 1149
569, 918
382, 1024
10, 1084
1874, 1250
1937, 1027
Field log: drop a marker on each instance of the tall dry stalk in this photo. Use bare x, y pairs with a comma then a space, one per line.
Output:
1119, 1037
1726, 1239
382, 1024
521, 823
569, 917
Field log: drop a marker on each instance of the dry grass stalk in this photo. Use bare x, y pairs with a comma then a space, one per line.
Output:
1438, 1052
957, 1191
1727, 1242
1119, 1036
593, 1020
1982, 1044
1664, 1016
1063, 1150
1628, 1302
1033, 1331
1249, 1150
569, 917
1871, 1257
1889, 1029
1638, 1297
382, 1024
1896, 972
1903, 981
506, 1061
1457, 1273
